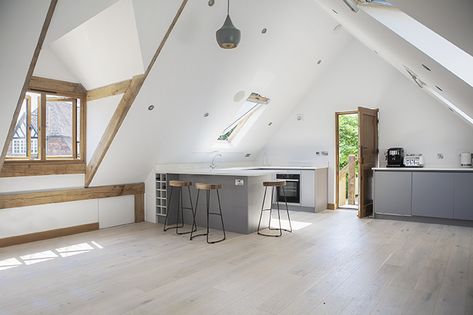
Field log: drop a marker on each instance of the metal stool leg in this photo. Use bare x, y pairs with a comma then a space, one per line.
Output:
287, 210
221, 217
181, 207
194, 225
207, 197
262, 209
192, 208
167, 212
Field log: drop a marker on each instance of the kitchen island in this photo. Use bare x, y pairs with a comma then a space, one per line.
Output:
241, 196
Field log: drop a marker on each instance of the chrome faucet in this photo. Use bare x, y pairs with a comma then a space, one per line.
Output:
218, 155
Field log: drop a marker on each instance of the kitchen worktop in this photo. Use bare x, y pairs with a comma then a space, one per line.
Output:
424, 169
238, 171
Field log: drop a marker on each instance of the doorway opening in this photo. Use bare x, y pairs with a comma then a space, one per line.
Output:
347, 159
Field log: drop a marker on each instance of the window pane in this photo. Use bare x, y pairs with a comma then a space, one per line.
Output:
58, 126
17, 148
78, 128
34, 130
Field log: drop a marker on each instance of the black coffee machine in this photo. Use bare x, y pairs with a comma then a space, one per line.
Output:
395, 157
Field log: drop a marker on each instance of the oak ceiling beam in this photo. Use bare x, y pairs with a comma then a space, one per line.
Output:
124, 105
29, 74
54, 86
108, 90
34, 198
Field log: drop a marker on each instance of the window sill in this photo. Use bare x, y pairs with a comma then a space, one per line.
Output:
14, 168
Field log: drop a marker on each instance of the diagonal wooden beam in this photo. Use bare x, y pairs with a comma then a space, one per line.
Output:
108, 90
124, 105
39, 45
113, 127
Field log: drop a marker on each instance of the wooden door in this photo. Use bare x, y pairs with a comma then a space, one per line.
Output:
368, 157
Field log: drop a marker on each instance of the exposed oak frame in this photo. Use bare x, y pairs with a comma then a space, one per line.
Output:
108, 90
54, 165
32, 198
29, 74
125, 104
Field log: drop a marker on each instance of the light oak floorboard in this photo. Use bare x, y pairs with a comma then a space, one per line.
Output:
337, 264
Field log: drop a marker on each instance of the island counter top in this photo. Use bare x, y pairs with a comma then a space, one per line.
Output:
237, 171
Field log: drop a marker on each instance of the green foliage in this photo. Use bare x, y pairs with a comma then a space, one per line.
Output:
348, 131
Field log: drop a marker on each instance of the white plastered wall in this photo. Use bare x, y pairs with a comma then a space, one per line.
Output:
408, 117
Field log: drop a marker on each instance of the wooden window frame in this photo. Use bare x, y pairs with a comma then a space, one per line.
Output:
44, 165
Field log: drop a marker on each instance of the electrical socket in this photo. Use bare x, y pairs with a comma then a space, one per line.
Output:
440, 156
239, 182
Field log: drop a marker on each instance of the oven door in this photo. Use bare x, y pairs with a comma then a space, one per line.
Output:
292, 188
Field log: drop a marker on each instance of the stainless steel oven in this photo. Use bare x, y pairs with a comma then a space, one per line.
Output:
292, 188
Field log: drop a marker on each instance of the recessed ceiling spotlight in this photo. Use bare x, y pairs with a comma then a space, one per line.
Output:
299, 117
264, 30
319, 61
150, 107
270, 123
211, 3
334, 11
247, 155
438, 88
337, 28
426, 68
206, 115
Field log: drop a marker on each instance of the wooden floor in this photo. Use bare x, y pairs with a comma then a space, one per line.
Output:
334, 263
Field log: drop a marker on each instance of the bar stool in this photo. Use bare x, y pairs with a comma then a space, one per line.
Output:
179, 184
279, 185
208, 188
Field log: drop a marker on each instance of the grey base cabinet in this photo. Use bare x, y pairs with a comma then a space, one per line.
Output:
392, 193
432, 194
463, 196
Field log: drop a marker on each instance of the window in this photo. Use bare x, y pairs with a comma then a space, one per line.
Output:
48, 128
244, 117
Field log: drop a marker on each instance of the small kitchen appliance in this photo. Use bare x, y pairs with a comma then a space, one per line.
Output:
414, 160
465, 159
395, 157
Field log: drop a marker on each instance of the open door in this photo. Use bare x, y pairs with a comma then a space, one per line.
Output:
368, 158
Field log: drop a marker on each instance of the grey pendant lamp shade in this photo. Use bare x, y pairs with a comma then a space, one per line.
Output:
228, 36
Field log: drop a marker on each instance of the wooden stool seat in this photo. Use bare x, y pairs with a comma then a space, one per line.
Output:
204, 186
275, 183
179, 183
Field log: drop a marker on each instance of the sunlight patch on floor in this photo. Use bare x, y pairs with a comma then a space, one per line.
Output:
296, 225
34, 258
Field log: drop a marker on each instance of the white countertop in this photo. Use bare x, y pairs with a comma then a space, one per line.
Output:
238, 171
425, 169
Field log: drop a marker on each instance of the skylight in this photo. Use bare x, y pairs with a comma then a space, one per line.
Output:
243, 118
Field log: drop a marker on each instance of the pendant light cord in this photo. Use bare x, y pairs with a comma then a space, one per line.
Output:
228, 7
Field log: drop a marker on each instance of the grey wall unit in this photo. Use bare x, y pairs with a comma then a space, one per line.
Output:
432, 194
443, 194
463, 196
393, 193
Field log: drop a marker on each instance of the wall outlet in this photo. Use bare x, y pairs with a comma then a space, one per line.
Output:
324, 153
239, 182
440, 156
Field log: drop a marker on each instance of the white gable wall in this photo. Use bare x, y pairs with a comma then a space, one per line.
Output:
408, 117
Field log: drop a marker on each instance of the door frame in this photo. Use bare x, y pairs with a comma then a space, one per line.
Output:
337, 148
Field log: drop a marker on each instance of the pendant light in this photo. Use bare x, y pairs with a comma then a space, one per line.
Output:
228, 36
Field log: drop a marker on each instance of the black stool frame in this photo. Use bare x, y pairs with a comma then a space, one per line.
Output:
271, 212
180, 207
208, 216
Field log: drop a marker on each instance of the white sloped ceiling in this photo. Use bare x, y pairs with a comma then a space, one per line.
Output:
400, 53
193, 76
20, 26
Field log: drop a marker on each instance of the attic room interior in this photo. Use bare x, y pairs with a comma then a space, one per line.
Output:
236, 157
